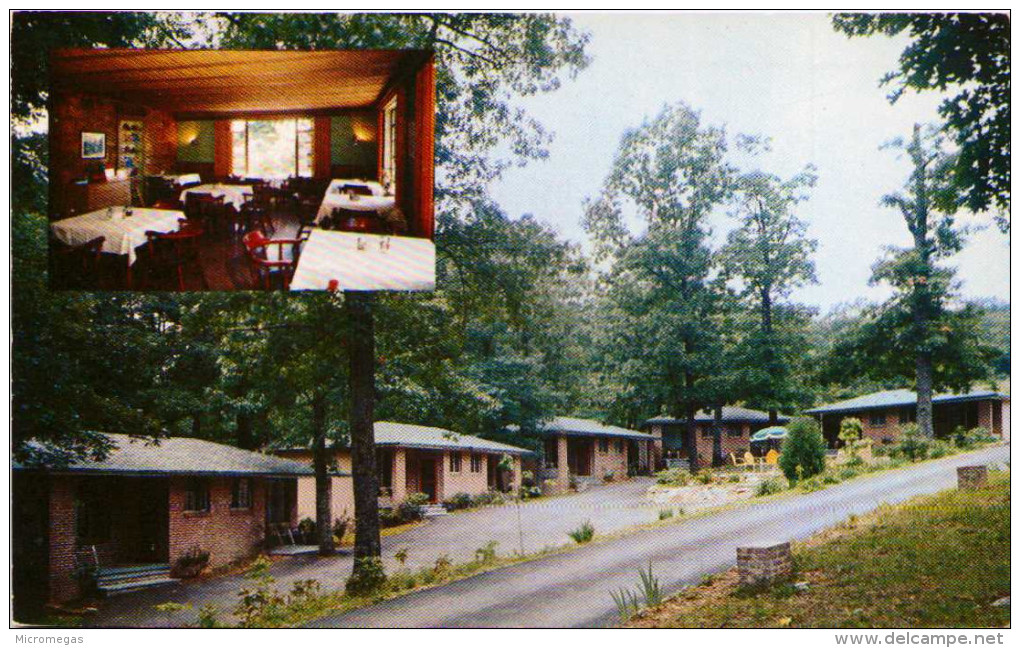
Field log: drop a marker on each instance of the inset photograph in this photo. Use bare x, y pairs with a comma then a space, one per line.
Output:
198, 170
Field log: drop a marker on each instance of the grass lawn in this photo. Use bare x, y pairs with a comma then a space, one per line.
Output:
935, 561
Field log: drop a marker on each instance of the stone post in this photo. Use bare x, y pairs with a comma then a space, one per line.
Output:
398, 479
971, 477
761, 565
517, 474
562, 464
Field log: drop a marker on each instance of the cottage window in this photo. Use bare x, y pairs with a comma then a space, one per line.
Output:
876, 418
706, 431
907, 415
196, 496
735, 431
240, 493
550, 452
476, 463
384, 471
618, 446
92, 514
455, 462
603, 445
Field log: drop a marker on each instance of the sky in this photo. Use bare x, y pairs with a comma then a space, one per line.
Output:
792, 78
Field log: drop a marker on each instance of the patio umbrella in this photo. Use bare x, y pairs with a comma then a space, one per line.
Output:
765, 434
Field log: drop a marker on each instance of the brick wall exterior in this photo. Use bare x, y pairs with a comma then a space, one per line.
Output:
971, 477
464, 481
947, 417
759, 565
613, 460
227, 534
62, 540
736, 438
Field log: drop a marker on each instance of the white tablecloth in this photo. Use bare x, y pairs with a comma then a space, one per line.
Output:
338, 183
408, 264
376, 204
123, 233
235, 195
183, 178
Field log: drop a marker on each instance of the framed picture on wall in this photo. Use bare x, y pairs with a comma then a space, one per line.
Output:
93, 146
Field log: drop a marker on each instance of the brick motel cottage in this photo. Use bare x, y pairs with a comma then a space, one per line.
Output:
884, 413
142, 508
738, 424
415, 459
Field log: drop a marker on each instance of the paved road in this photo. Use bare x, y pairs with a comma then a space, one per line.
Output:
572, 589
541, 523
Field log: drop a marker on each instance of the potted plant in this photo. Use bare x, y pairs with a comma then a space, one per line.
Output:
191, 563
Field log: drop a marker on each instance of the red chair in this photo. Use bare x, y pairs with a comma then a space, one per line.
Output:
174, 252
272, 257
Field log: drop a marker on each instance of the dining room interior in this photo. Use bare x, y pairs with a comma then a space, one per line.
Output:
187, 170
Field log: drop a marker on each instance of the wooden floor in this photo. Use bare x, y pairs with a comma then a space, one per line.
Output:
223, 265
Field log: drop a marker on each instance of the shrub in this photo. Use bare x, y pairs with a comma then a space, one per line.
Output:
650, 587
191, 563
303, 591
340, 527
673, 477
939, 449
367, 578
813, 484
704, 477
307, 529
609, 476
912, 445
850, 431
208, 617
769, 487
803, 451
527, 479
530, 492
259, 602
401, 555
487, 553
410, 509
442, 566
733, 479
583, 533
457, 502
665, 514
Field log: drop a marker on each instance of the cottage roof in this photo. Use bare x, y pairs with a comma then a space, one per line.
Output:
900, 398
730, 414
183, 456
571, 426
408, 435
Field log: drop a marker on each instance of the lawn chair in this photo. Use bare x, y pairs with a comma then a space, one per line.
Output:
737, 463
772, 457
750, 460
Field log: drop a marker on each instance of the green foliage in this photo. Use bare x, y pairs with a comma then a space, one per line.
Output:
803, 450
769, 487
627, 603
850, 431
673, 477
665, 514
208, 617
487, 553
367, 578
260, 602
650, 588
458, 501
912, 444
969, 52
583, 533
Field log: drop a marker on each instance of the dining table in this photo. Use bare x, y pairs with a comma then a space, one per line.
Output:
338, 196
233, 195
364, 262
123, 229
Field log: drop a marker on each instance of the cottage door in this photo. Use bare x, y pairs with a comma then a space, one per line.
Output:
427, 478
153, 525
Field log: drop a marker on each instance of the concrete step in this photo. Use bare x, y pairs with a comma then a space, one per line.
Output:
433, 510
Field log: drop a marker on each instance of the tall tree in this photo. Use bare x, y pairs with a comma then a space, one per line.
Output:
968, 52
917, 322
672, 173
770, 255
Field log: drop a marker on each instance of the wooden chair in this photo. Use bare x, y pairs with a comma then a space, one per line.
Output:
750, 460
171, 253
211, 213
737, 463
349, 220
75, 267
272, 257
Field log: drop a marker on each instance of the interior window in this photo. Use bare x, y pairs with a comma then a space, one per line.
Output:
272, 148
390, 146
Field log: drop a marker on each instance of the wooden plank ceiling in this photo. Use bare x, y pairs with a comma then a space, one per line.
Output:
229, 81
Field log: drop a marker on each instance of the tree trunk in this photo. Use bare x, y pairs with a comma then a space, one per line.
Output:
245, 431
717, 454
323, 481
362, 412
924, 394
691, 438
